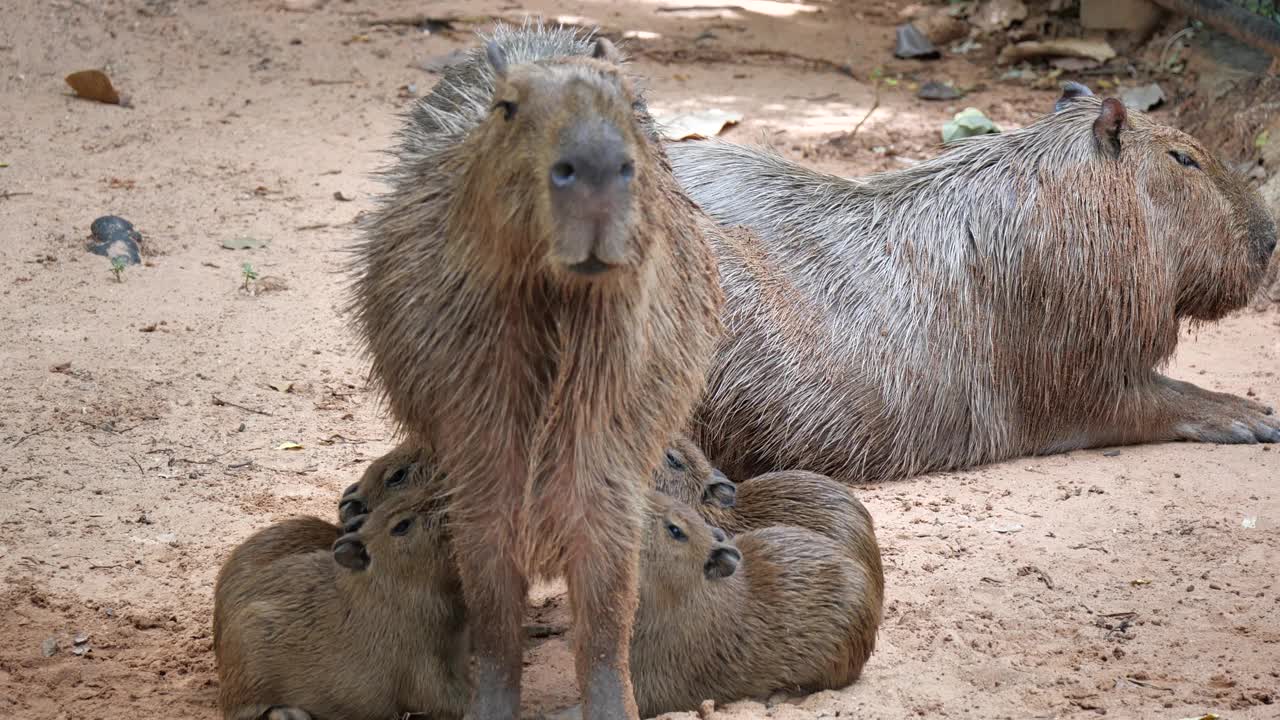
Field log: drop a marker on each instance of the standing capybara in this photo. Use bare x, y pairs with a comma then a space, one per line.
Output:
788, 497
784, 609
541, 305
372, 627
1013, 296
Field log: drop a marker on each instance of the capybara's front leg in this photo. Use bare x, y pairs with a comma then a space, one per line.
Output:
603, 579
1162, 409
1201, 415
495, 589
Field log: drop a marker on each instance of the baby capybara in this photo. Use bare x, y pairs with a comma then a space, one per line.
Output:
540, 303
780, 608
1014, 296
789, 497
403, 467
372, 627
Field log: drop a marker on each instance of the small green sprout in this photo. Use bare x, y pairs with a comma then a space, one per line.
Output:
117, 268
249, 275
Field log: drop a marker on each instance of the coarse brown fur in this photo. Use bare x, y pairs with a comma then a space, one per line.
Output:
797, 613
1016, 295
544, 394
299, 635
788, 497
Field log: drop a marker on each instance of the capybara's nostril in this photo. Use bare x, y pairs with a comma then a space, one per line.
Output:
563, 174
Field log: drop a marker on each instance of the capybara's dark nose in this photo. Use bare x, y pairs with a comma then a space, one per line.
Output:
351, 508
593, 159
722, 563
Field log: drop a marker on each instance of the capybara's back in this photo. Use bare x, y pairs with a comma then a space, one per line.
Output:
540, 304
1013, 296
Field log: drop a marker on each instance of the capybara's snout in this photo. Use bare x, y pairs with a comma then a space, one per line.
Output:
723, 562
590, 180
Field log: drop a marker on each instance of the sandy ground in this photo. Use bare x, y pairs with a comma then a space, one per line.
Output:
1138, 584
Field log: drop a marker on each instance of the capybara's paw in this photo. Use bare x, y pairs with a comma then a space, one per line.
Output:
283, 712
1227, 425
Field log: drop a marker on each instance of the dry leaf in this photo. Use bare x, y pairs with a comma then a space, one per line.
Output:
281, 386
701, 124
290, 445
1097, 50
94, 85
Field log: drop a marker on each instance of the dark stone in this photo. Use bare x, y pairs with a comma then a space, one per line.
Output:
115, 237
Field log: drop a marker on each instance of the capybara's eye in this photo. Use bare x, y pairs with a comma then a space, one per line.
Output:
1184, 159
676, 533
398, 476
507, 107
402, 527
674, 462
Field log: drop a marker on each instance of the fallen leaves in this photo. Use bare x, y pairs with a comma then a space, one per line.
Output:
968, 123
1097, 50
697, 125
95, 85
289, 445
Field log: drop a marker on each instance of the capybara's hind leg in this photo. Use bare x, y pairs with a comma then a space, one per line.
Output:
494, 588
603, 581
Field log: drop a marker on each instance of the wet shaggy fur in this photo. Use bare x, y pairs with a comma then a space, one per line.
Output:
298, 635
789, 497
545, 396
1014, 296
796, 614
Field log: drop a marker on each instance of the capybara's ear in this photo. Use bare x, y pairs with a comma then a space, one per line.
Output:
352, 508
722, 563
497, 58
350, 489
720, 493
607, 51
1106, 128
350, 553
1070, 91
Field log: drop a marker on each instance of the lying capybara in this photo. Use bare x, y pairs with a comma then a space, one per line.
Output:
1014, 296
789, 497
372, 627
403, 467
780, 608
541, 305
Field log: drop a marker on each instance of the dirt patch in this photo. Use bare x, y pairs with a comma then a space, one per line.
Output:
1142, 583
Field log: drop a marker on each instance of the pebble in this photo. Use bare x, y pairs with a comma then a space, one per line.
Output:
49, 647
114, 237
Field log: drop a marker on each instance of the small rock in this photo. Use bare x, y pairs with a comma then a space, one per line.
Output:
302, 5
1111, 453
49, 647
911, 44
934, 90
998, 14
706, 709
114, 237
167, 538
1144, 97
339, 196
1007, 528
80, 650
80, 639
941, 27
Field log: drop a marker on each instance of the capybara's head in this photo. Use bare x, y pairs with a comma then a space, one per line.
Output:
681, 551
687, 475
401, 535
564, 156
402, 467
1211, 227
